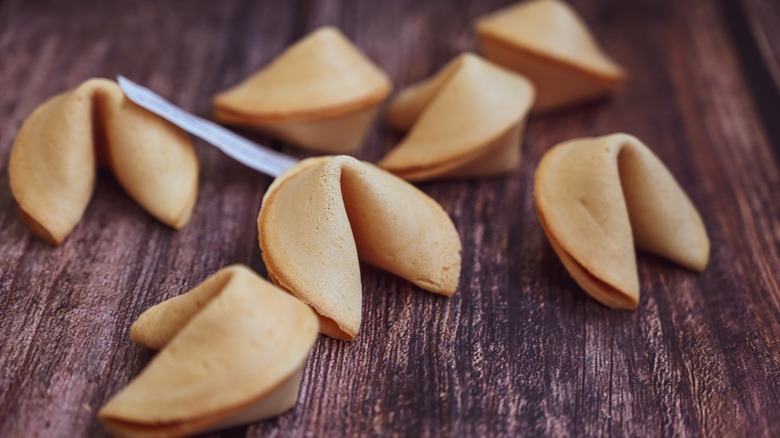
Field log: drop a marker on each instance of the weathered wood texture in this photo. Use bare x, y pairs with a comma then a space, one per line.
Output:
519, 350
761, 17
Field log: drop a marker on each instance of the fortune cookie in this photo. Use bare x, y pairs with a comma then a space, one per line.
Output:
56, 153
599, 197
324, 213
232, 352
546, 41
322, 94
466, 121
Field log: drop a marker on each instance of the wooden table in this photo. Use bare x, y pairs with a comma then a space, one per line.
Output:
520, 349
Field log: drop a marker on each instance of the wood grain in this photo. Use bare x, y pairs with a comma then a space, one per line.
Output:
519, 350
762, 16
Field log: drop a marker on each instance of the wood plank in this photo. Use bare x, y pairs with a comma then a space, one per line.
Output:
762, 17
758, 48
519, 349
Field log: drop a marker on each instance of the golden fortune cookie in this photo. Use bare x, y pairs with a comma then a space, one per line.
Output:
598, 198
55, 156
232, 352
323, 215
322, 94
466, 121
547, 41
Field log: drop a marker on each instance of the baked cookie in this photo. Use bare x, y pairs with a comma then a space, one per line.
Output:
55, 156
322, 94
598, 198
547, 41
324, 215
466, 121
232, 351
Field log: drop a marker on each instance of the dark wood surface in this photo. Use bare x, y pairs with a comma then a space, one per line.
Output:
519, 350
